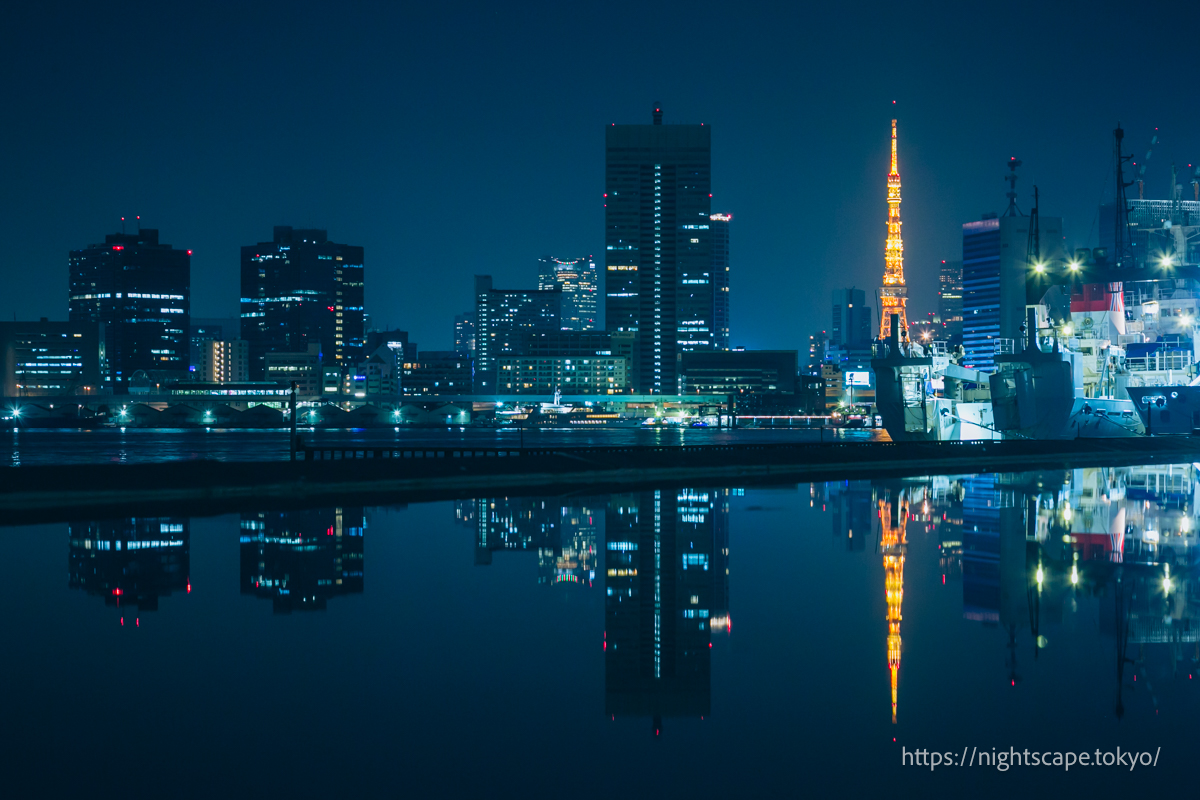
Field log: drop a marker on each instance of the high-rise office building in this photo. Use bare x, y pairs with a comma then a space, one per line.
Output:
502, 319
851, 319
49, 358
950, 300
577, 279
996, 281
464, 333
658, 258
140, 290
301, 289
719, 232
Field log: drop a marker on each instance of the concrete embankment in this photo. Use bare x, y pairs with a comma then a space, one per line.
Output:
389, 476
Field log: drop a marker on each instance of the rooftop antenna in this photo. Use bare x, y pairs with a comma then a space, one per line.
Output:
1196, 184
122, 226
139, 225
1011, 177
1141, 179
657, 113
1033, 247
1122, 255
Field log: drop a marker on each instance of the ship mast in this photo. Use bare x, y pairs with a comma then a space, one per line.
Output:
893, 295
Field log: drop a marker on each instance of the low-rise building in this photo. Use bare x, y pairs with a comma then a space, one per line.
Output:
438, 372
303, 368
50, 358
572, 375
738, 372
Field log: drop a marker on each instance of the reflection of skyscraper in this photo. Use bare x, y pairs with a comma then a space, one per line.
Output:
130, 562
981, 549
563, 536
853, 512
661, 600
301, 559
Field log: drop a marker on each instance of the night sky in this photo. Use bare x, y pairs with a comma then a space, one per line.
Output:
451, 139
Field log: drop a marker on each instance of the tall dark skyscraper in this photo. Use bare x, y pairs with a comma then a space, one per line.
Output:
719, 227
851, 319
950, 300
302, 289
141, 291
503, 318
577, 278
657, 235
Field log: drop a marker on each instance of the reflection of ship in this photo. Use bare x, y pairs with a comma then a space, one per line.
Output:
130, 562
302, 559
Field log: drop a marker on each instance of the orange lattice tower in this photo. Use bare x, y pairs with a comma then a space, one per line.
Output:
894, 294
894, 521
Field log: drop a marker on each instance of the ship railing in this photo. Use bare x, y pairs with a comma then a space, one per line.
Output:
1158, 362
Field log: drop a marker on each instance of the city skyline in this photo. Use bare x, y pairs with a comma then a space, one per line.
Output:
179, 156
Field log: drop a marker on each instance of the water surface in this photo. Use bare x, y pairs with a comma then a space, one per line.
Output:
709, 641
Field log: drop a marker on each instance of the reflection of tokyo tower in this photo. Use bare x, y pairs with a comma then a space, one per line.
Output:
893, 520
893, 296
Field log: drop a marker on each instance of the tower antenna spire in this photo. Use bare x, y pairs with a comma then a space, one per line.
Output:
1011, 178
893, 297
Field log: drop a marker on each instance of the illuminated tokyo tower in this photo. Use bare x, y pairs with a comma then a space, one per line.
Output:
893, 295
894, 540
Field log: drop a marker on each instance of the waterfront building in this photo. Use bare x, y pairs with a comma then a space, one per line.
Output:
996, 280
950, 300
572, 375
50, 358
130, 562
436, 372
140, 290
502, 319
219, 361
301, 289
464, 333
305, 369
719, 232
739, 372
210, 329
851, 318
658, 258
381, 372
576, 277
302, 559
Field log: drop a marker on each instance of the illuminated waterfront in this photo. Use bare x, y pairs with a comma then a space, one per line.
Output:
1054, 610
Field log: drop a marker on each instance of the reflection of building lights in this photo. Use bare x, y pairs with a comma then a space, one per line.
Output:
1167, 578
1041, 576
1067, 513
1074, 575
